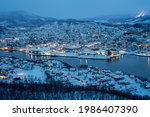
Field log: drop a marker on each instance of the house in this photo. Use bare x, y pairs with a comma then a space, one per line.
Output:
3, 74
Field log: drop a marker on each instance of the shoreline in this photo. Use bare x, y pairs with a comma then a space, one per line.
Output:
94, 57
91, 77
135, 54
142, 78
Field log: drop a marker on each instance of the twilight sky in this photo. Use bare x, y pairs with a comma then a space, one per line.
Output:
76, 8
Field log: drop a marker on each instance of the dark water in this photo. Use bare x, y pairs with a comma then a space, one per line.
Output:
128, 63
16, 54
136, 65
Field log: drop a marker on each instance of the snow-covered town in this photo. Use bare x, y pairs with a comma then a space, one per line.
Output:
84, 35
82, 39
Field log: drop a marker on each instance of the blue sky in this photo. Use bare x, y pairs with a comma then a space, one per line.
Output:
76, 8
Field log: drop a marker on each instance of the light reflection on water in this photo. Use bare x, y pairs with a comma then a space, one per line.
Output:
148, 61
130, 64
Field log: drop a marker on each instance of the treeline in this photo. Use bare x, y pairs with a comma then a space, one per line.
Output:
56, 87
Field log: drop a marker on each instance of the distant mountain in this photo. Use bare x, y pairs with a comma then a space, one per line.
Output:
111, 18
139, 20
22, 18
128, 19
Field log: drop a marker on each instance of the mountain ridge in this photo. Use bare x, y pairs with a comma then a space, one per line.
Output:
22, 18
